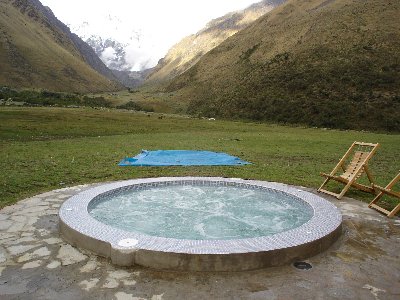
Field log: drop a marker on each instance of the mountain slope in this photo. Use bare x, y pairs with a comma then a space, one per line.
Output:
188, 51
328, 63
39, 51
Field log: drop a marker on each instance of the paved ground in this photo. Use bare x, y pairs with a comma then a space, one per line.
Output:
35, 263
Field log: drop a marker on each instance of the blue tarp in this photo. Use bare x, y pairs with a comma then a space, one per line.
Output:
182, 158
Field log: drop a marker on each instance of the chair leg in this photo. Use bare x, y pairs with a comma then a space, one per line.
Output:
345, 189
394, 211
388, 191
390, 214
370, 178
338, 196
323, 184
376, 199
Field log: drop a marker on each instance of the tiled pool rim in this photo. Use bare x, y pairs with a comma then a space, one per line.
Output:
128, 248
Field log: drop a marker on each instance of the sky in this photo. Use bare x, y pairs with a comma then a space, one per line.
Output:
148, 28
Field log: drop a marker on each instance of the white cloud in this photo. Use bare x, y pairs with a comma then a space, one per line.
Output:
149, 27
140, 58
108, 55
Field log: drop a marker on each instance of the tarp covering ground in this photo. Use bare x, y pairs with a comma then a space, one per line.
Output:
182, 158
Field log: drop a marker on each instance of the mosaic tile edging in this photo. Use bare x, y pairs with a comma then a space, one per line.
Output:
326, 219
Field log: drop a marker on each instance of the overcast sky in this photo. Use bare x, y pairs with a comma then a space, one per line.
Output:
155, 24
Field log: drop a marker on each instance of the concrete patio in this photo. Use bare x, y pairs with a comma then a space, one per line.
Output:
35, 263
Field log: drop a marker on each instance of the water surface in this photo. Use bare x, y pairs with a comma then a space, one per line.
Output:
203, 212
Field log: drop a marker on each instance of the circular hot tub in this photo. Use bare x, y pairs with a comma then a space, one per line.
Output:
200, 224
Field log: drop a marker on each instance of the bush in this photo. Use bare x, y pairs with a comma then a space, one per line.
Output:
95, 102
48, 98
131, 105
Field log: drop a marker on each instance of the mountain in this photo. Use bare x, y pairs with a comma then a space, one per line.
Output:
117, 47
188, 51
111, 41
111, 52
325, 63
39, 51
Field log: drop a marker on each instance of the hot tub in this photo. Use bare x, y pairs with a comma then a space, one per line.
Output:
200, 223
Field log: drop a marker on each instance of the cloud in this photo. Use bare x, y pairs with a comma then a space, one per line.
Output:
140, 58
108, 55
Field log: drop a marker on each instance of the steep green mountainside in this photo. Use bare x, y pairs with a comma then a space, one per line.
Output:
326, 63
38, 51
189, 50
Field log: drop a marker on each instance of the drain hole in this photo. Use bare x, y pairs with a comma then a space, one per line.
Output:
302, 265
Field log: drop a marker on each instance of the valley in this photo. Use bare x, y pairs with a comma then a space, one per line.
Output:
287, 62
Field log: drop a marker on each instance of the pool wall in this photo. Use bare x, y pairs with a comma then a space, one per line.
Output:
127, 248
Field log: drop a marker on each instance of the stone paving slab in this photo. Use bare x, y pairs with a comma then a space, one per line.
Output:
35, 263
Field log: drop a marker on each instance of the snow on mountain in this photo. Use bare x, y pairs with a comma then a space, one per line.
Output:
120, 48
111, 52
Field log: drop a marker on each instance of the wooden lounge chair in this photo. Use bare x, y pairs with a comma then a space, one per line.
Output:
352, 167
387, 191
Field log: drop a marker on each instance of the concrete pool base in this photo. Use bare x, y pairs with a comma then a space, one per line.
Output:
200, 262
35, 263
127, 248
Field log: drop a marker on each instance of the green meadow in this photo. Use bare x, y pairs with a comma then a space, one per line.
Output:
50, 148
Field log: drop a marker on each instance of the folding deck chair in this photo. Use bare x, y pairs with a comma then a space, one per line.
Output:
352, 169
387, 191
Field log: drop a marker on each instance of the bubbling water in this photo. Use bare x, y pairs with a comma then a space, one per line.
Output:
197, 212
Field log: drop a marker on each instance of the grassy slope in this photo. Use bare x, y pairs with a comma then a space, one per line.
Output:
190, 49
47, 148
322, 63
34, 56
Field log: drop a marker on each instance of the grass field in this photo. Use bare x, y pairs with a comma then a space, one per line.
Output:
48, 148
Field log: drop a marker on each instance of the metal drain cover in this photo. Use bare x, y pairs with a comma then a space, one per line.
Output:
302, 265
